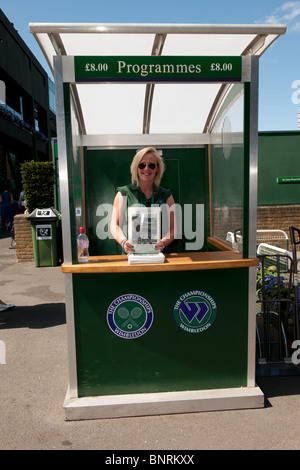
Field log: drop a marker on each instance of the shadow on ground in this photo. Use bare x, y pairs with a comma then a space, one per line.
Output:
35, 316
278, 386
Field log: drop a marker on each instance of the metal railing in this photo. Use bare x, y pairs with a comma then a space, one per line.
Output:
277, 312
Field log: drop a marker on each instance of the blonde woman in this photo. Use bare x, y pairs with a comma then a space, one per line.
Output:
147, 169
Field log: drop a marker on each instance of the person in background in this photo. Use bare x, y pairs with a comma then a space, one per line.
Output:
21, 203
4, 307
6, 200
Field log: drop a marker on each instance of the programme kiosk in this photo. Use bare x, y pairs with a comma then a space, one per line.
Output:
178, 336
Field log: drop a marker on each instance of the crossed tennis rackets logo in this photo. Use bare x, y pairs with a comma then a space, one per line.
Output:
129, 316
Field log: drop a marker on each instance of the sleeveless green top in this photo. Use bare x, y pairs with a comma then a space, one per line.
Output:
135, 196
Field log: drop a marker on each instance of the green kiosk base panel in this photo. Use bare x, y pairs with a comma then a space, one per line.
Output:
173, 340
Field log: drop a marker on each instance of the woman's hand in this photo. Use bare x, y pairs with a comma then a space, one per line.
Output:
160, 246
127, 247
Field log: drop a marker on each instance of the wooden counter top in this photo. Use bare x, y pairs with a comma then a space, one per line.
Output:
173, 262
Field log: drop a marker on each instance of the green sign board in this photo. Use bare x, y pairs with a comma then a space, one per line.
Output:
166, 69
289, 179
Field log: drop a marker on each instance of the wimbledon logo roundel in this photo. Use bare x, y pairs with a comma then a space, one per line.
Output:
195, 311
129, 316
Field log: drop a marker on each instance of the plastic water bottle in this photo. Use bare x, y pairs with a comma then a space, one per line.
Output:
82, 246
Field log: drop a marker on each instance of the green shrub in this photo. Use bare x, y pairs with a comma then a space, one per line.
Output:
37, 181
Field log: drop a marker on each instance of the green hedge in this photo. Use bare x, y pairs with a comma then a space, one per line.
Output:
37, 181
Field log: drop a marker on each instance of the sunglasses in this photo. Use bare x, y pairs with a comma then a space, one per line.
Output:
143, 165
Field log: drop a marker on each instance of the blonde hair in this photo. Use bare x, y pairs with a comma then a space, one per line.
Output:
137, 159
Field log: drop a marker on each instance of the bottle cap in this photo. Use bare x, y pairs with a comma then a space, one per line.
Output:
81, 230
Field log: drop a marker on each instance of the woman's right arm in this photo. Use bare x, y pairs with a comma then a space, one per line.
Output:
116, 223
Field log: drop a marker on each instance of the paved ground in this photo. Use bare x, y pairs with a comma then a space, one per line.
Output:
34, 380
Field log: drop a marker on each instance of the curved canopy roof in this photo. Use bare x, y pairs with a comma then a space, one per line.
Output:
148, 108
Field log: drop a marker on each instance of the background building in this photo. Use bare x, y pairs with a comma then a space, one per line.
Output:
27, 107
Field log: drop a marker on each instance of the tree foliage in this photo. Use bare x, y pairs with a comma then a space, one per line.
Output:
37, 181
